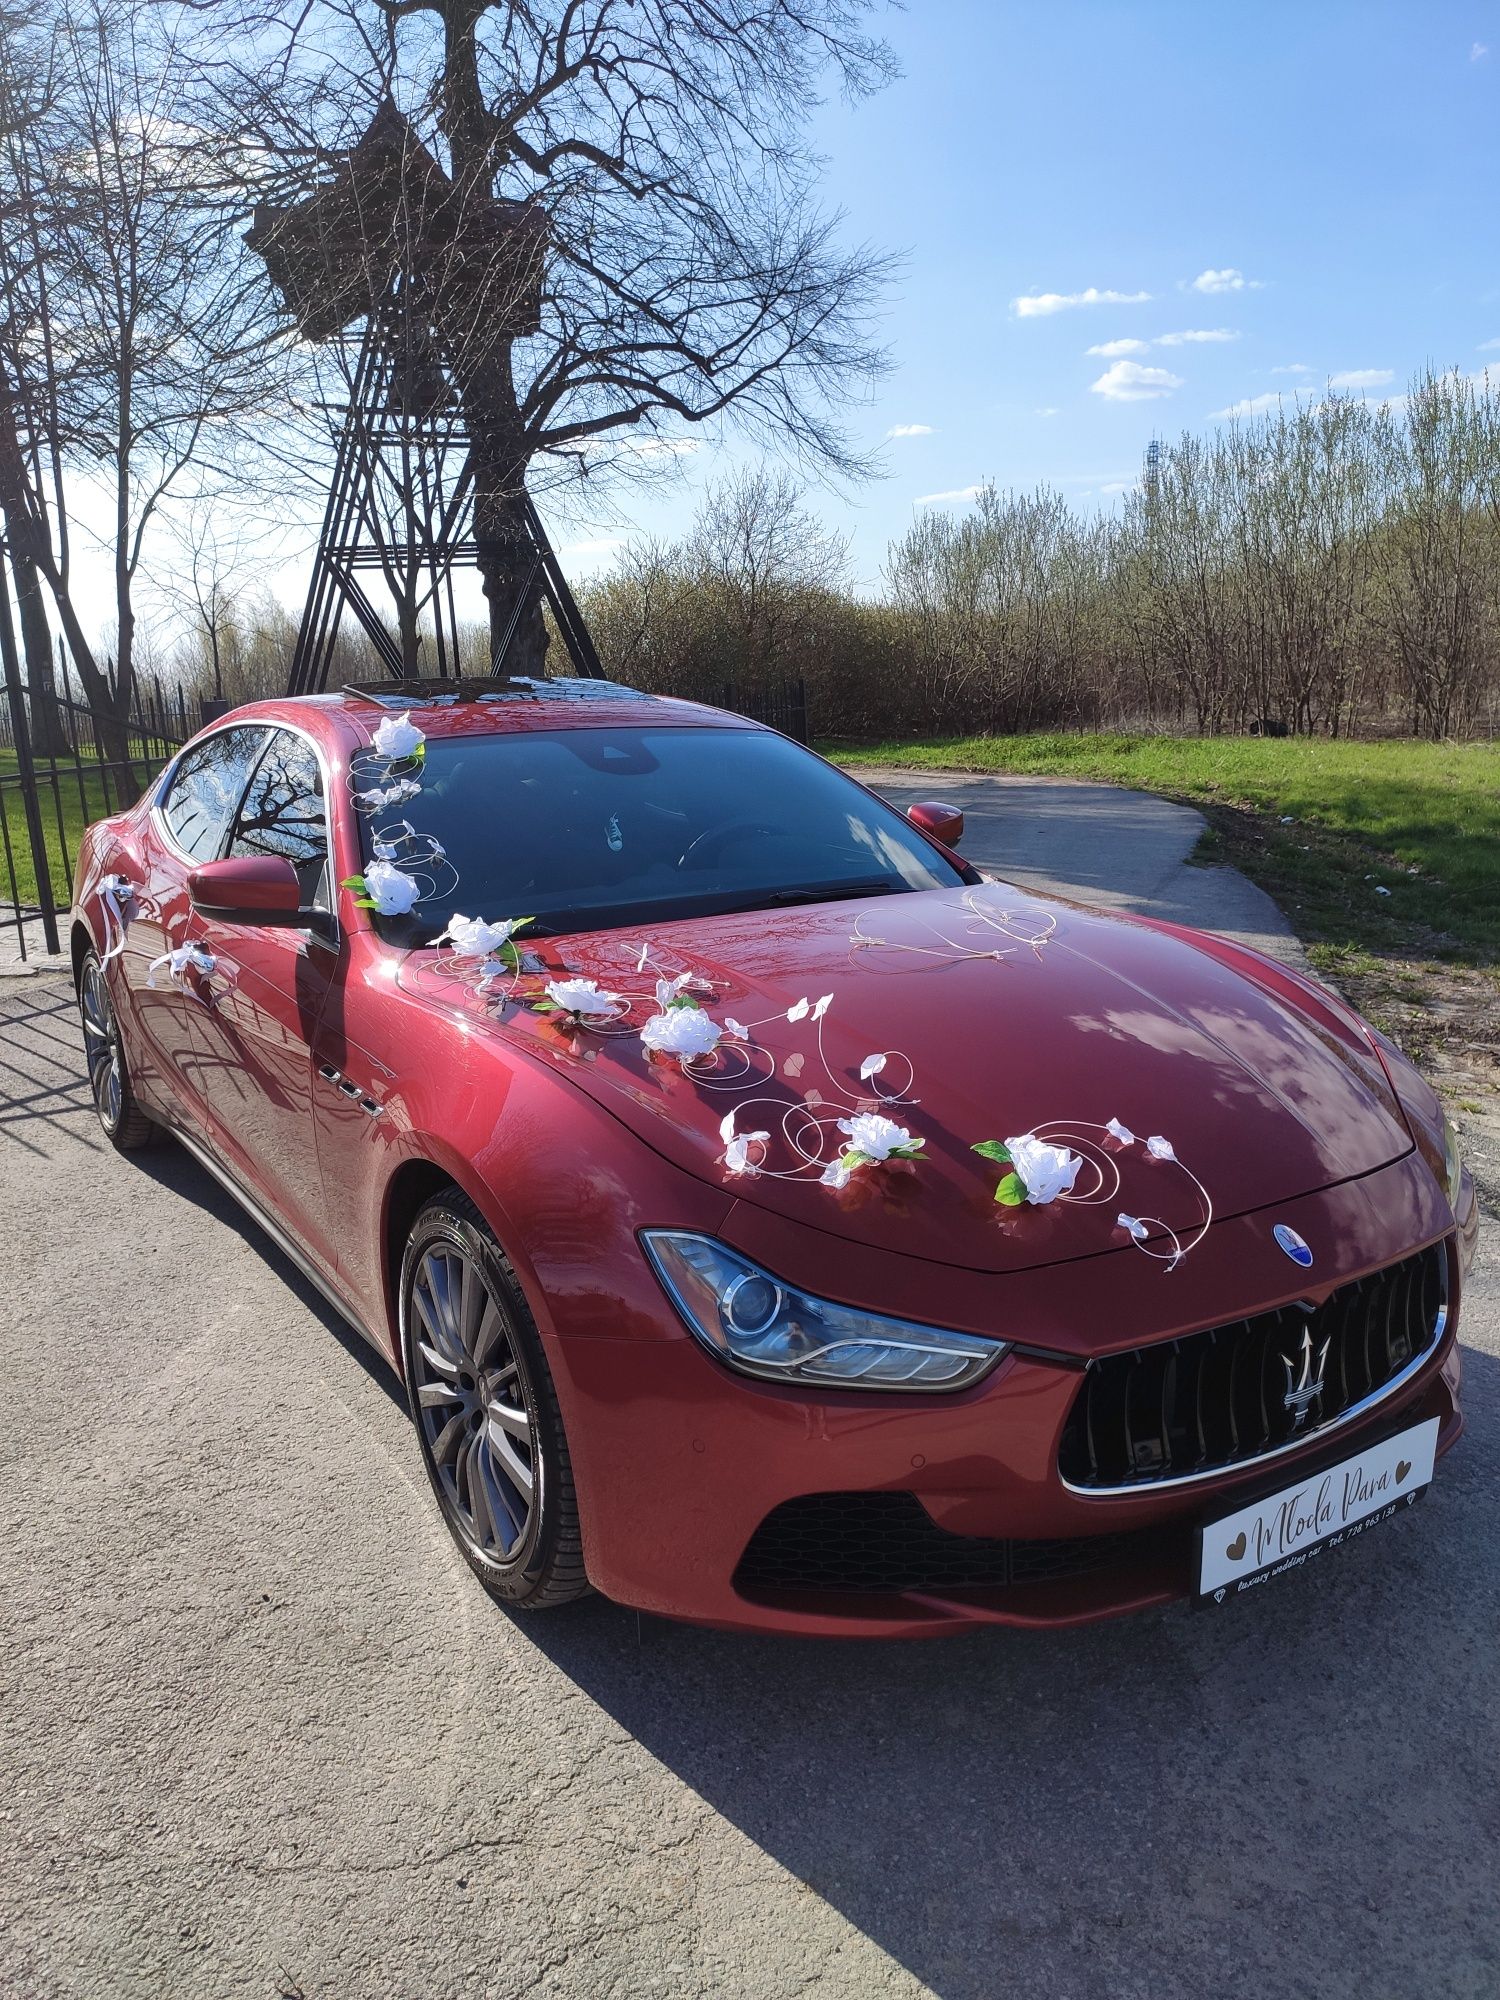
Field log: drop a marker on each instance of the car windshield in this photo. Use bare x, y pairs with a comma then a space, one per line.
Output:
589, 829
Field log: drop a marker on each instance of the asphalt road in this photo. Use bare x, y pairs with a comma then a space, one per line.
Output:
261, 1735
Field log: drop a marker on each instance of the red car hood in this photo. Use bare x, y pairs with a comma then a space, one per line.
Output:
1081, 1018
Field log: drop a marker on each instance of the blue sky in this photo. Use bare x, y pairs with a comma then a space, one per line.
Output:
1335, 165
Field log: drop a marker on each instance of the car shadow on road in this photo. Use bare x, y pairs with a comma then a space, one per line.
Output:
175, 1169
1291, 1795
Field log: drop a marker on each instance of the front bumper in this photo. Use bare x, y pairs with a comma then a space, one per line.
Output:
680, 1462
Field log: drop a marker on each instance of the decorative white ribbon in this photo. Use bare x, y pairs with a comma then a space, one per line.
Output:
116, 894
185, 958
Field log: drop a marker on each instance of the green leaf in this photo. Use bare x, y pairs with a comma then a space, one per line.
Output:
853, 1159
911, 1152
365, 903
683, 1000
1011, 1191
353, 882
993, 1149
545, 1007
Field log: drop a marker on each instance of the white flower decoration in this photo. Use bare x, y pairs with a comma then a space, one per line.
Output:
800, 1011
1121, 1132
1044, 1171
582, 997
737, 1154
1160, 1149
878, 1138
871, 1066
734, 1027
472, 937
398, 736
667, 990
1134, 1224
837, 1175
378, 797
392, 892
186, 958
684, 1032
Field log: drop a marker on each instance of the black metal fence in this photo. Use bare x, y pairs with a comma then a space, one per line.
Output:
782, 706
57, 776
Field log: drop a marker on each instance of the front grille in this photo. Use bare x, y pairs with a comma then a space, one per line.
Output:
881, 1543
1219, 1398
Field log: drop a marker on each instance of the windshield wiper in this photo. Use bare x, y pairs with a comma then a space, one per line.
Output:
826, 892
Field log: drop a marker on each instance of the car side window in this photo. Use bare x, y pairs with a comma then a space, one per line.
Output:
283, 813
207, 786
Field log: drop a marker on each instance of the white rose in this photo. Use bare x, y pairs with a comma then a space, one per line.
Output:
876, 1137
472, 937
685, 1032
1044, 1171
399, 736
392, 892
582, 997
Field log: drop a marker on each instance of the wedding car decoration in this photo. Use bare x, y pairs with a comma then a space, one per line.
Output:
185, 958
873, 1140
1024, 929
1083, 1163
581, 1002
118, 899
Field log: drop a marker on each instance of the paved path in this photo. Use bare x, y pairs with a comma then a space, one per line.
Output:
260, 1734
1123, 850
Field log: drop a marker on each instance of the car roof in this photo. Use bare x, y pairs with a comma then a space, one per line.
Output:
483, 707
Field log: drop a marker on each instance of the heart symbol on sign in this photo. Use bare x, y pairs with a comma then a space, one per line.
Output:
1237, 1547
1402, 1469
792, 1066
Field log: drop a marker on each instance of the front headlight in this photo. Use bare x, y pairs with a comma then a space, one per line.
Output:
764, 1327
1453, 1166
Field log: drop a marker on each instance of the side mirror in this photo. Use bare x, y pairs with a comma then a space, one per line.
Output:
251, 889
944, 823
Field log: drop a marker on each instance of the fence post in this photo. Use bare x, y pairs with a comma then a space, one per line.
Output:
30, 798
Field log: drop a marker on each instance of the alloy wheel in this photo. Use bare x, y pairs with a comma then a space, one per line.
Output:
101, 1045
474, 1404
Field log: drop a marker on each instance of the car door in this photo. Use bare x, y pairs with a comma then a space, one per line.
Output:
190, 821
270, 987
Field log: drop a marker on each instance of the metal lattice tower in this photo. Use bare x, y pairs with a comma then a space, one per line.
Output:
409, 285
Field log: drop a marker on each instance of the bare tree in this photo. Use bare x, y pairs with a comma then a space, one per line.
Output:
124, 353
686, 274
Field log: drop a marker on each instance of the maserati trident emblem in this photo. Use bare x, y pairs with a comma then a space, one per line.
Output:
1304, 1389
1294, 1245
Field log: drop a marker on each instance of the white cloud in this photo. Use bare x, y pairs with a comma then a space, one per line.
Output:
1489, 346
1293, 368
1108, 349
909, 431
1251, 406
1227, 280
1361, 378
599, 546
1049, 410
1129, 382
955, 498
1479, 51
1120, 486
1037, 305
1196, 335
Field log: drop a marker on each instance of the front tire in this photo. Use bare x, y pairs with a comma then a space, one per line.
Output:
126, 1126
485, 1409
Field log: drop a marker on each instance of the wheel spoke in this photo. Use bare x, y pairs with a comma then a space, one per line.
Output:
510, 1419
449, 1438
430, 1311
511, 1462
472, 1298
431, 1394
491, 1329
502, 1514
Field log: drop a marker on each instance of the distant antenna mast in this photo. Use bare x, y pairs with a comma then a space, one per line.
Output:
1151, 473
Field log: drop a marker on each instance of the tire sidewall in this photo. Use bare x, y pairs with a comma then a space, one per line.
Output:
444, 1222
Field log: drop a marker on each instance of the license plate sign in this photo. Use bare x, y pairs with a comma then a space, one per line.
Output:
1289, 1528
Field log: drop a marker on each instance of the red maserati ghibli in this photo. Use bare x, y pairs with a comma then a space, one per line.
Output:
775, 1222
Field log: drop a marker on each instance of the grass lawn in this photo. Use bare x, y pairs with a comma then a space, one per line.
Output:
76, 805
1323, 827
